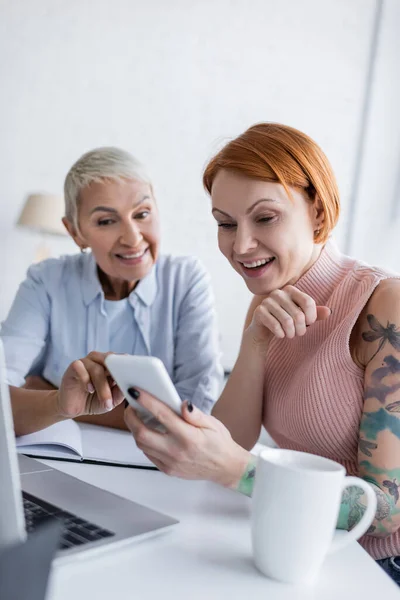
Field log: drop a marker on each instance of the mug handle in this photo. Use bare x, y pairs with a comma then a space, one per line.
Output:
340, 541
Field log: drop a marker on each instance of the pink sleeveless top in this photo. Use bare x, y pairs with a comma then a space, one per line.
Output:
313, 389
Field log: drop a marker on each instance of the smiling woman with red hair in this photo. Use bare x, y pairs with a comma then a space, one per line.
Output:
319, 362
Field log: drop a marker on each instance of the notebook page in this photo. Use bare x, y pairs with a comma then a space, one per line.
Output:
61, 440
111, 445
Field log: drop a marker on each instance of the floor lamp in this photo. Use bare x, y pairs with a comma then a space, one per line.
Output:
43, 213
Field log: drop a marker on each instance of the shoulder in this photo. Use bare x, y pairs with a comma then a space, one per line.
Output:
385, 299
55, 270
366, 275
357, 284
381, 313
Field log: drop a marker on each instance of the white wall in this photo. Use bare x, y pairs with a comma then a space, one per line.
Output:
376, 223
170, 81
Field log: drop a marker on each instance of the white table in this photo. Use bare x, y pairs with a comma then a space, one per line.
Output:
207, 556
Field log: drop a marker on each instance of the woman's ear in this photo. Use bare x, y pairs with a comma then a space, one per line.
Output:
318, 213
76, 236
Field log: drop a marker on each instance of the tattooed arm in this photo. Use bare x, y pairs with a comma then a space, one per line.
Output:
379, 442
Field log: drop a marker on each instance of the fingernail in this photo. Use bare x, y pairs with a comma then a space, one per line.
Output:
90, 388
190, 406
109, 404
331, 310
134, 393
126, 403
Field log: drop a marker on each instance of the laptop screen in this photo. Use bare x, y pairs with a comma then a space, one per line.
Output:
12, 522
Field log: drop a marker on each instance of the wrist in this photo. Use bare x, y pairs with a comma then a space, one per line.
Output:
54, 399
236, 470
257, 347
246, 483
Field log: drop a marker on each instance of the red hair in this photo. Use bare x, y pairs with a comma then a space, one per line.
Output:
282, 154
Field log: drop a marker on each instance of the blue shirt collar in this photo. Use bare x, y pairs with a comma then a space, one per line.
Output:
145, 290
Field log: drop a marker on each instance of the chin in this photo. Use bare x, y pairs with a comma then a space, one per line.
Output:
261, 290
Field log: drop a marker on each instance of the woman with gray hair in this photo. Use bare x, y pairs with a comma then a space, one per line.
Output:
118, 294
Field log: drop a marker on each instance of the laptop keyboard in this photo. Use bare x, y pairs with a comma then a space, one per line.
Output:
76, 531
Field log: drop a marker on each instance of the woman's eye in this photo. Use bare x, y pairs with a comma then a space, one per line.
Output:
265, 219
142, 215
226, 225
103, 222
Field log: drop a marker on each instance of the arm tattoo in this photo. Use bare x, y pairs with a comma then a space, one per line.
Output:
373, 423
393, 488
387, 417
386, 506
246, 483
383, 421
381, 333
356, 509
383, 507
365, 447
352, 509
378, 389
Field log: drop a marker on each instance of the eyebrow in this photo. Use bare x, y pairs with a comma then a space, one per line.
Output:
113, 210
249, 209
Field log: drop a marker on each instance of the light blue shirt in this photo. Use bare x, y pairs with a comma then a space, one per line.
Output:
120, 316
59, 314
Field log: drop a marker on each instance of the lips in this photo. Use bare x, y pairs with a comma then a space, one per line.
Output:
131, 255
257, 263
256, 268
132, 258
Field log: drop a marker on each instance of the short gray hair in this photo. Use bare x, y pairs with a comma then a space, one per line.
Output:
95, 166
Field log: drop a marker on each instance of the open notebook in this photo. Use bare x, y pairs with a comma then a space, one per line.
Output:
70, 440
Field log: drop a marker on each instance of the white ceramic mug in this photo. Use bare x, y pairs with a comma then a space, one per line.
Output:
296, 502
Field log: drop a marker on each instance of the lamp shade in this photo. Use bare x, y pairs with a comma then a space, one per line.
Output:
43, 212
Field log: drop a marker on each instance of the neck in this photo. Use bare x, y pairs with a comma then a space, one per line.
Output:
114, 288
313, 259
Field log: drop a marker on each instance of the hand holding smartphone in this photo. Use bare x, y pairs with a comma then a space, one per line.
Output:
147, 373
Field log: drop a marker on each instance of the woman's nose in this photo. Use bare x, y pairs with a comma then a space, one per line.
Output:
244, 241
131, 234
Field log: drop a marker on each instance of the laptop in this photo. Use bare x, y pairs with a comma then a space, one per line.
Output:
31, 493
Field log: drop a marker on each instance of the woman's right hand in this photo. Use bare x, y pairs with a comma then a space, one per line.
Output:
87, 388
285, 313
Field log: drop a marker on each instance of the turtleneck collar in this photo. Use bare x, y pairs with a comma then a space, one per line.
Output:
325, 274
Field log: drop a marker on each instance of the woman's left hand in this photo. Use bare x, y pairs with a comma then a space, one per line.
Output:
196, 446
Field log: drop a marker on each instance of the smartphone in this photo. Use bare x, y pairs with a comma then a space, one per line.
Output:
147, 373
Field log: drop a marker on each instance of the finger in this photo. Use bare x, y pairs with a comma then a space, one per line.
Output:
165, 415
285, 301
146, 439
196, 417
284, 318
265, 319
116, 395
305, 302
98, 377
323, 313
82, 374
99, 358
132, 420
